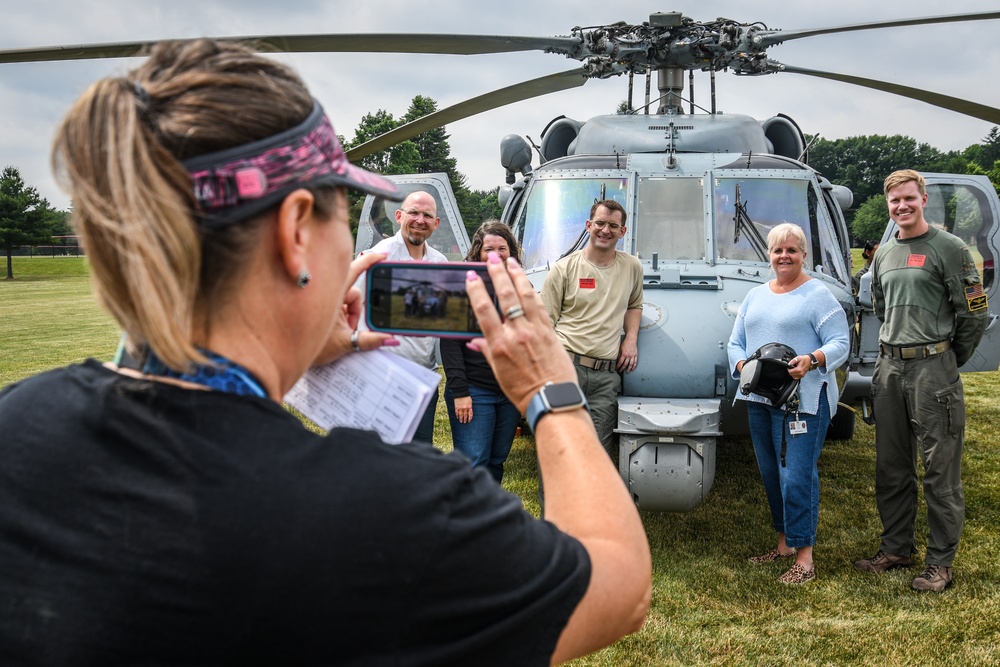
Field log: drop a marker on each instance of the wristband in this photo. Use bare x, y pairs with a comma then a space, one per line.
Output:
558, 397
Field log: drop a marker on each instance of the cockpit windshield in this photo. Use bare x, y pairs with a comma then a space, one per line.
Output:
557, 208
670, 218
741, 225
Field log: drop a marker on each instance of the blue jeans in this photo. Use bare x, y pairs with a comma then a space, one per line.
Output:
792, 491
486, 440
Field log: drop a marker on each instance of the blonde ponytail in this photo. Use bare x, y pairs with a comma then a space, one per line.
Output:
118, 153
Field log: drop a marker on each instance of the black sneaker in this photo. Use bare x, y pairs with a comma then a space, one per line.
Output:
934, 578
882, 561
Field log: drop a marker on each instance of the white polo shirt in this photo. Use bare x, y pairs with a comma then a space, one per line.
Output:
419, 349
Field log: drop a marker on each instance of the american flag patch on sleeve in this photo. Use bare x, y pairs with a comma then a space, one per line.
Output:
976, 297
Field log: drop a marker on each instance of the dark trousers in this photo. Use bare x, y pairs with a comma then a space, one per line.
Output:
919, 408
425, 430
601, 389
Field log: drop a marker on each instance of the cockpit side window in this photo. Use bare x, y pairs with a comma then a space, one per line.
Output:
554, 215
670, 218
825, 250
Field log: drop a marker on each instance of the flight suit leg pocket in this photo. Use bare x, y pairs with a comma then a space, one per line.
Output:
951, 407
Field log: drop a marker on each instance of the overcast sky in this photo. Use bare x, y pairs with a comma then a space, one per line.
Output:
959, 59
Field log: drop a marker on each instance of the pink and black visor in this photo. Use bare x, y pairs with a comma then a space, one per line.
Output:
237, 183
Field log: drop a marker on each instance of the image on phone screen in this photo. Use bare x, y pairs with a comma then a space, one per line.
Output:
423, 299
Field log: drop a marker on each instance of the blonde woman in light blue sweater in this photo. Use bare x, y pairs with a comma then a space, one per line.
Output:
802, 313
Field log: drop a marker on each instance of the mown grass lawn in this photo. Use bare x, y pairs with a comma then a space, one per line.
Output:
48, 318
710, 606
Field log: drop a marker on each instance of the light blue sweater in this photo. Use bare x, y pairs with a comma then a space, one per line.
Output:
806, 319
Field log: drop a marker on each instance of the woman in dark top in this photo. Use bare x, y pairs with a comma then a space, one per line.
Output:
483, 420
175, 514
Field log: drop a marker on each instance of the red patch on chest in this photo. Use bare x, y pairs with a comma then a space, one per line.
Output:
916, 260
588, 283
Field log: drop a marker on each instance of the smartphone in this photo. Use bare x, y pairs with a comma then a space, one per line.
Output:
423, 299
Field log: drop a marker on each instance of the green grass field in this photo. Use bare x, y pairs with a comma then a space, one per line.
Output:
710, 606
48, 317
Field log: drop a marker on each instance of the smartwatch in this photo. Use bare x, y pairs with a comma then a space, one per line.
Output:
555, 397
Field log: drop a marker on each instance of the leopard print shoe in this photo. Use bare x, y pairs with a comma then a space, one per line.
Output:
771, 556
798, 575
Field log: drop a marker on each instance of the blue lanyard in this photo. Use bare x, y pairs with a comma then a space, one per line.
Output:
221, 375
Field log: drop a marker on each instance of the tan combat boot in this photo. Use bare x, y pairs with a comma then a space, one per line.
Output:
934, 578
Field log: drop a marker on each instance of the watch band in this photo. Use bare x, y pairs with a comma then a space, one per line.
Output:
815, 362
559, 397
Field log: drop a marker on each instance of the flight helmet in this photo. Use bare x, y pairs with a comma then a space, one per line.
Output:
765, 373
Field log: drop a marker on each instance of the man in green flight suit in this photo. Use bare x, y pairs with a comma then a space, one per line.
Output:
933, 310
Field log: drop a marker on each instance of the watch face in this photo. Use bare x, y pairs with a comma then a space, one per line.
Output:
564, 395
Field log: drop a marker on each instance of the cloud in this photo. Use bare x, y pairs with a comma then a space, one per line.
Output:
956, 59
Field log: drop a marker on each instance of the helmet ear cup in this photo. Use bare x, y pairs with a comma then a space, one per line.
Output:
765, 373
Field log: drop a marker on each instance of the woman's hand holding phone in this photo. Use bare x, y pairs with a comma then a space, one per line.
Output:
523, 351
346, 324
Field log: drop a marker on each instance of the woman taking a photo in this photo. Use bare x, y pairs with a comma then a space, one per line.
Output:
483, 420
176, 514
803, 314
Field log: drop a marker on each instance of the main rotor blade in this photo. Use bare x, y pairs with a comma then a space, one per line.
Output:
966, 107
778, 37
340, 43
525, 90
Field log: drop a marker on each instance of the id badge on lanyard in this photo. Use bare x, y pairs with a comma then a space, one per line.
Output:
797, 426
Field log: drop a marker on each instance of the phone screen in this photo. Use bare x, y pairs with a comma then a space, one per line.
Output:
423, 299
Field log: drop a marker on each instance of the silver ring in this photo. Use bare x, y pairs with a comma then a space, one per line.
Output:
513, 312
354, 340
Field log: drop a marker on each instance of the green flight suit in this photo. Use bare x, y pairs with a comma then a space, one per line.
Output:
926, 291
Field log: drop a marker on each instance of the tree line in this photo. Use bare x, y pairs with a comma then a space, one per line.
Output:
862, 163
859, 163
427, 153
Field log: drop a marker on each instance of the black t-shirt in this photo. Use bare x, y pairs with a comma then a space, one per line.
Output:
463, 367
143, 523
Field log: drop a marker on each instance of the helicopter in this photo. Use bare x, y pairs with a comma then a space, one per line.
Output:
701, 191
